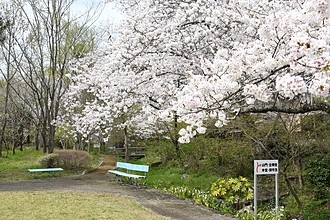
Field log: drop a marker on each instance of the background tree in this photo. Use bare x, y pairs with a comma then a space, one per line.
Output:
4, 23
8, 71
49, 38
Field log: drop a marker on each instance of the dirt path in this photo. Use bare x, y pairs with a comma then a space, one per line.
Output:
159, 202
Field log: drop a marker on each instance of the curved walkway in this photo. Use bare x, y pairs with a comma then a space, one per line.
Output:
159, 202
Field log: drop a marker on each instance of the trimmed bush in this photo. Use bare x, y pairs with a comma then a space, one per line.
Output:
66, 159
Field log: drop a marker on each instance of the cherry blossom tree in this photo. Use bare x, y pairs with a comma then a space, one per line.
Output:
189, 61
194, 60
146, 66
282, 67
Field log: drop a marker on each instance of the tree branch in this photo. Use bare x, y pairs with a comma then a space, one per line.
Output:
301, 109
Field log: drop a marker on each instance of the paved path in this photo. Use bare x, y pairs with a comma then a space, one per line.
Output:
160, 202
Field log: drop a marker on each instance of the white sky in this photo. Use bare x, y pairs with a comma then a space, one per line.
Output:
109, 13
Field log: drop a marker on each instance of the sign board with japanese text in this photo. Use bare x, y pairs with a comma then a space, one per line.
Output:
264, 167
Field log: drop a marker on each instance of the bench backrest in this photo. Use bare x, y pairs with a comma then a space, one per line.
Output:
135, 167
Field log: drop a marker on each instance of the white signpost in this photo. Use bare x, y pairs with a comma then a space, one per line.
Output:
265, 167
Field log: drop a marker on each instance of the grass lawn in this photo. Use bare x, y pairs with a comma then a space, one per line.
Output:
165, 177
15, 167
70, 205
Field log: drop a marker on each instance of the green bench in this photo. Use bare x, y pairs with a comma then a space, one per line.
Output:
45, 170
130, 170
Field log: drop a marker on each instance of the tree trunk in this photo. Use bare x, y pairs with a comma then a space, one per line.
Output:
14, 149
44, 141
51, 139
36, 138
300, 170
28, 141
292, 189
1, 142
21, 137
176, 135
89, 145
126, 145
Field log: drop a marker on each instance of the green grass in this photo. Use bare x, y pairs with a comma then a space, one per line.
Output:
166, 176
70, 205
15, 167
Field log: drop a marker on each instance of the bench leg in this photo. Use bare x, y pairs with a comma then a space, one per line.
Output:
114, 177
136, 182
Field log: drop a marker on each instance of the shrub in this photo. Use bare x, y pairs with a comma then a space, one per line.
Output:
235, 191
237, 158
161, 150
67, 159
317, 210
318, 175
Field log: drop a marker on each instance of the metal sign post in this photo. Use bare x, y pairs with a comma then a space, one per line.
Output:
265, 167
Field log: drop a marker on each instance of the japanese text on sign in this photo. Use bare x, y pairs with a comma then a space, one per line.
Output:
263, 167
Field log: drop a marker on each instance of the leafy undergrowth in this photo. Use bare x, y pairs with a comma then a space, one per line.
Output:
194, 186
313, 209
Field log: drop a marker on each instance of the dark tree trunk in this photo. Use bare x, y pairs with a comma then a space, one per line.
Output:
176, 137
300, 170
28, 141
21, 137
44, 141
36, 139
14, 149
1, 142
51, 139
292, 189
126, 145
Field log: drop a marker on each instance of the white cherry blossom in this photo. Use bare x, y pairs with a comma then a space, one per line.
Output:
203, 59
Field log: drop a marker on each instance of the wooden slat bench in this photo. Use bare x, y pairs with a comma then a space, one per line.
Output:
129, 168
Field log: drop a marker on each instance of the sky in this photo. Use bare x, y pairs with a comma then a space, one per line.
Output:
109, 13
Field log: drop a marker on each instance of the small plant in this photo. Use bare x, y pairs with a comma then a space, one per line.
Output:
235, 191
247, 214
200, 197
